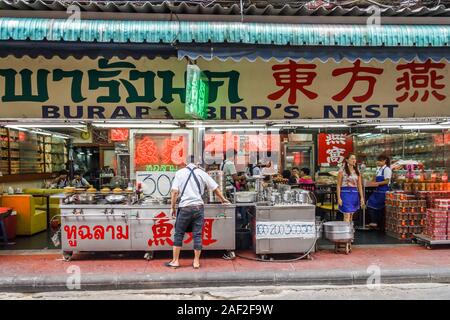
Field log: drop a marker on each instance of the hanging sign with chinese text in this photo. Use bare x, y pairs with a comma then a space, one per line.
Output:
333, 148
237, 90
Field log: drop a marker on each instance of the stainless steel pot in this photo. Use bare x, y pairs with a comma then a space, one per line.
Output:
87, 198
275, 198
219, 177
289, 196
245, 196
304, 197
338, 230
282, 188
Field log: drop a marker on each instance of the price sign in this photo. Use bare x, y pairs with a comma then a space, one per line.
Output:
157, 184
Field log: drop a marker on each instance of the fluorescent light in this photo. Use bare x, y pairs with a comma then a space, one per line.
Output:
60, 136
41, 133
387, 127
303, 124
243, 129
17, 128
326, 126
38, 125
230, 126
135, 125
436, 126
395, 124
364, 134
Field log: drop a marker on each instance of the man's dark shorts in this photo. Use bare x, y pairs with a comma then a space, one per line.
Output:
186, 216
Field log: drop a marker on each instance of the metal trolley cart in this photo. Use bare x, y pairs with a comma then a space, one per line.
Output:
428, 242
147, 228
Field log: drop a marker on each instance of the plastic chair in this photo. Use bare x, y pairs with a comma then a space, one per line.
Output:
327, 200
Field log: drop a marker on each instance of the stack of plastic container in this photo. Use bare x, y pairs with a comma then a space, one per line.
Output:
437, 222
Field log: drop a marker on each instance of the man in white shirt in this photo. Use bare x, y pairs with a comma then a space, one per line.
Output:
189, 185
229, 169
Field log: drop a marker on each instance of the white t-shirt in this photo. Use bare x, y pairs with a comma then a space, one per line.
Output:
192, 196
256, 171
228, 169
387, 172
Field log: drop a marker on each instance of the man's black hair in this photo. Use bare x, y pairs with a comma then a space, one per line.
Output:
306, 171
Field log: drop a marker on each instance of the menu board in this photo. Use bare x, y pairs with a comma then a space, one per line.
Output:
165, 151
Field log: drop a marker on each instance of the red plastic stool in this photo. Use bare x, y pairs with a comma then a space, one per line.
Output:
4, 213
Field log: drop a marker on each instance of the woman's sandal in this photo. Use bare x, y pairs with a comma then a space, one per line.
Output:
167, 264
195, 267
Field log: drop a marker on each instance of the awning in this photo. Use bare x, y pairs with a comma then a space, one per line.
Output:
121, 31
250, 8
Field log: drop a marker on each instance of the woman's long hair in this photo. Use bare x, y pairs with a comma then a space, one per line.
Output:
385, 158
346, 167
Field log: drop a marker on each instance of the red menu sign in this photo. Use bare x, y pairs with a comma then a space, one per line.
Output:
333, 148
119, 134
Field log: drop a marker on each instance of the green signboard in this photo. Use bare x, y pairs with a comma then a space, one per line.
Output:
197, 93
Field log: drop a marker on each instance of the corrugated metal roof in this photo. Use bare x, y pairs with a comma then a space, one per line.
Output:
253, 8
221, 52
223, 32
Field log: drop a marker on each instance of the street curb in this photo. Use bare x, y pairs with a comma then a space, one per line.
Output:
219, 279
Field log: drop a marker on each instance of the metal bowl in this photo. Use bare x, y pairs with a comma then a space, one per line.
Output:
115, 198
338, 230
245, 196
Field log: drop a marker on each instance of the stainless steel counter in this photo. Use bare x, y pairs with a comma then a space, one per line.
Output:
284, 229
106, 227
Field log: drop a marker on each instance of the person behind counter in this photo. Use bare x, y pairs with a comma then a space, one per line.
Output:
191, 181
376, 204
290, 176
229, 170
305, 177
253, 170
79, 181
62, 180
349, 188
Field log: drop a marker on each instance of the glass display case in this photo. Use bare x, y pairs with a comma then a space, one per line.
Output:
55, 154
4, 151
298, 154
26, 152
31, 153
431, 149
251, 147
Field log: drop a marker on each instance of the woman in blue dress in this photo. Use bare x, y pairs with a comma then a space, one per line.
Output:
349, 188
376, 201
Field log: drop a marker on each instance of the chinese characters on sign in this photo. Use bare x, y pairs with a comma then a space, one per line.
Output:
236, 90
163, 231
160, 234
333, 148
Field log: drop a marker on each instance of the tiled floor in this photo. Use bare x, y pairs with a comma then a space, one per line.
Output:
387, 257
43, 240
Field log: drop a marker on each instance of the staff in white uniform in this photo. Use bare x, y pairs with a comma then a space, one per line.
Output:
188, 186
229, 170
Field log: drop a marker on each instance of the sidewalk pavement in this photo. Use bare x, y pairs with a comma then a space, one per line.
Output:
46, 270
